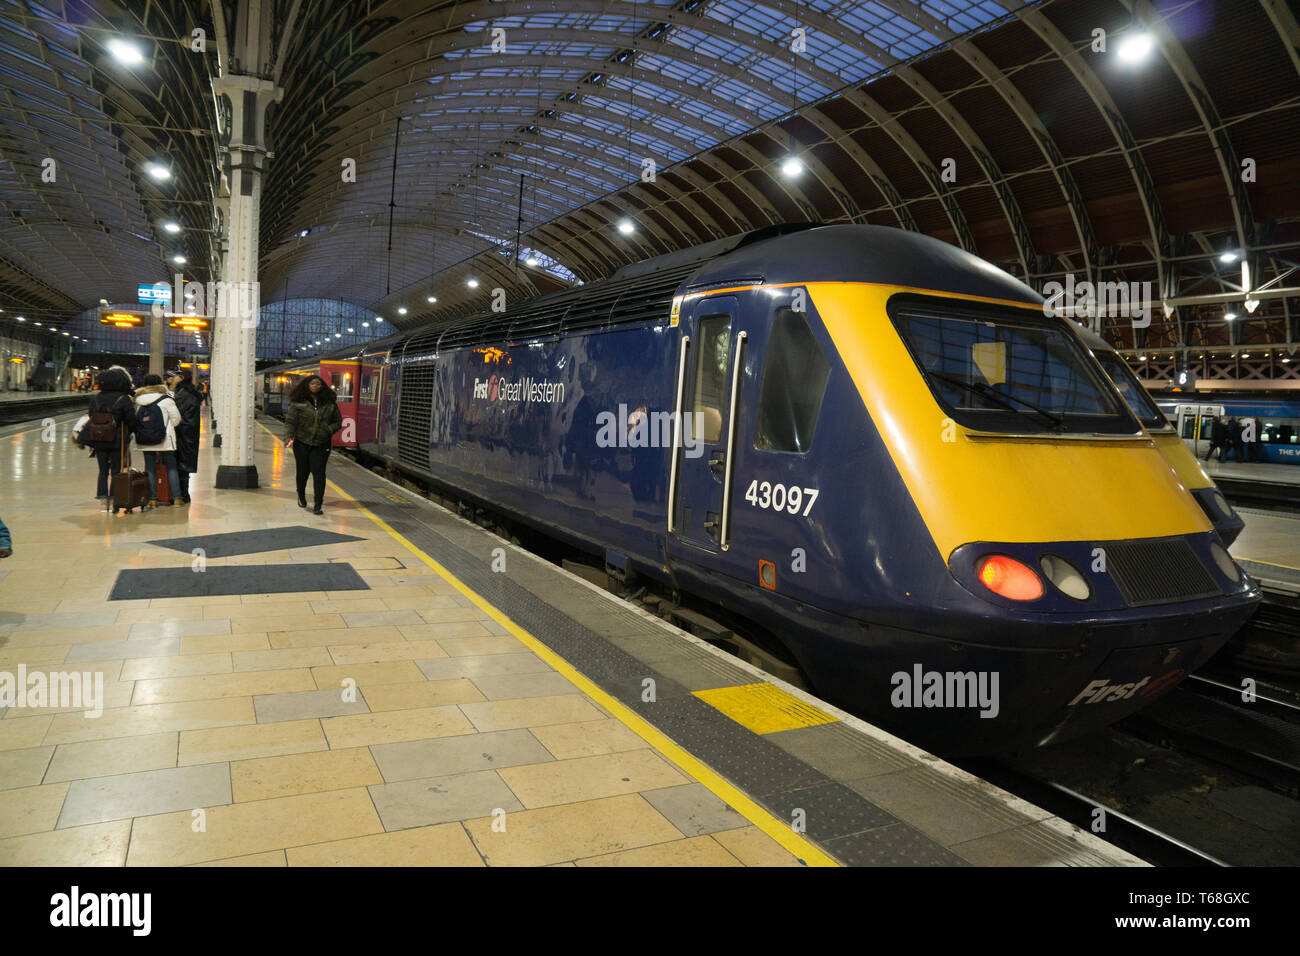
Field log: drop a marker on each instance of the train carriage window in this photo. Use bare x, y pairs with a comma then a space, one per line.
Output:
343, 386
1189, 425
794, 381
711, 370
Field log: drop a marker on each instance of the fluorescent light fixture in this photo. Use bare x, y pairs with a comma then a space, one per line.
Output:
125, 52
1135, 47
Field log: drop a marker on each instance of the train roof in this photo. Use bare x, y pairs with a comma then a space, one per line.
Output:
783, 253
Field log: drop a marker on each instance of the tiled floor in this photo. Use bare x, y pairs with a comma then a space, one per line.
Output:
398, 725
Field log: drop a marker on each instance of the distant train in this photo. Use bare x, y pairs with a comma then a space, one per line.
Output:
873, 446
1277, 423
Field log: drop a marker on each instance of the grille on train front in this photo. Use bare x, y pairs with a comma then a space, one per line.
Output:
413, 416
1158, 572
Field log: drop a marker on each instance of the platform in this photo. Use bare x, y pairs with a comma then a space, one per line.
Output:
497, 718
1252, 471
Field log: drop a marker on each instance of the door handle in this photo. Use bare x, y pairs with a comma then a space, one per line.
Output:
716, 462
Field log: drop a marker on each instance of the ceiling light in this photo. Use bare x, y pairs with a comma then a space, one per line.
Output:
65, 333
365, 325
792, 167
1135, 47
21, 319
401, 310
172, 227
158, 171
1230, 315
338, 335
124, 52
38, 323
351, 330
303, 234
472, 283
530, 261
1229, 256
379, 319
431, 299
179, 260
626, 227
318, 341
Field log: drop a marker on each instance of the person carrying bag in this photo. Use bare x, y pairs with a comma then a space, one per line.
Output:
156, 419
110, 420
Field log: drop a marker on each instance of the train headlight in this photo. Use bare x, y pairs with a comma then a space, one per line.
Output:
1067, 578
1225, 562
1010, 578
1221, 504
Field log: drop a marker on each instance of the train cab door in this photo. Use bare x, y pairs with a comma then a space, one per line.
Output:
710, 364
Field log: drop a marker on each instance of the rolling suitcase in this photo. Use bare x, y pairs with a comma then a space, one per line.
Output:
160, 476
130, 488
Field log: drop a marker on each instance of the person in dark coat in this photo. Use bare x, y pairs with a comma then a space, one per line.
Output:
188, 399
310, 423
115, 397
1234, 436
1218, 438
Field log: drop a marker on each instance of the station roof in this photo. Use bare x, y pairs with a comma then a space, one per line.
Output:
994, 125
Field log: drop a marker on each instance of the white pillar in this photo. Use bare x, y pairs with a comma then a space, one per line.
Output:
239, 293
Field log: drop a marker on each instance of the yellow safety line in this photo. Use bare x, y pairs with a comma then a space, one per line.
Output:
1271, 564
798, 845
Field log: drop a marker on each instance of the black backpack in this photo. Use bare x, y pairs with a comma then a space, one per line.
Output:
150, 426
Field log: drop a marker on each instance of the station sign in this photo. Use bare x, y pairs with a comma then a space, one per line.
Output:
190, 323
121, 318
159, 292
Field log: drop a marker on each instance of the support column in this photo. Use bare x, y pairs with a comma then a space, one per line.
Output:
157, 340
239, 289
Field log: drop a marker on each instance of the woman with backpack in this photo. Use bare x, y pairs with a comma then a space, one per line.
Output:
111, 420
310, 423
156, 418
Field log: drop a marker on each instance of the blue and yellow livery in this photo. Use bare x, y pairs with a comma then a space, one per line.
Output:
870, 446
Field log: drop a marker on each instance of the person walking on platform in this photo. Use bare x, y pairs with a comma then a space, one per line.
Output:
156, 418
311, 422
1218, 437
1238, 443
112, 419
188, 399
6, 542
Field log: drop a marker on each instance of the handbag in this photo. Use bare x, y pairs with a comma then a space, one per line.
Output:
78, 438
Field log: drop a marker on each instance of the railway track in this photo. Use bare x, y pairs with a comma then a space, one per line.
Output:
13, 413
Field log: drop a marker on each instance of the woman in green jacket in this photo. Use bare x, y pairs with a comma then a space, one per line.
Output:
312, 420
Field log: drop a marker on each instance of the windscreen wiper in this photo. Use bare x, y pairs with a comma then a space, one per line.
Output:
985, 391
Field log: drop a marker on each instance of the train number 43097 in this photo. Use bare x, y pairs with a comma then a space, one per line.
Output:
780, 498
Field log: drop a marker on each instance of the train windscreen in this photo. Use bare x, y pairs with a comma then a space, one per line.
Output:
1013, 371
1138, 398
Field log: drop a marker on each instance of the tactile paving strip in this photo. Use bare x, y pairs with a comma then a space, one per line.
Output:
140, 583
254, 542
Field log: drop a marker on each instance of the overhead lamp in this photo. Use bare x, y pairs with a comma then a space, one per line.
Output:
401, 310
351, 330
303, 234
21, 319
158, 171
379, 320
318, 341
530, 261
365, 325
1135, 47
1230, 315
1230, 256
1245, 355
472, 283
431, 299
172, 227
65, 333
179, 260
338, 335
626, 227
792, 168
38, 323
125, 52
1142, 358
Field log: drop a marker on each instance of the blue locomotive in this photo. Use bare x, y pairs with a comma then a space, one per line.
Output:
869, 444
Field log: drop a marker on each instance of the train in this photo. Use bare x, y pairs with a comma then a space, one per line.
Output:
1156, 420
872, 446
1277, 423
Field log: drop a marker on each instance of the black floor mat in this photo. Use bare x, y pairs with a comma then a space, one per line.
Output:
253, 542
239, 579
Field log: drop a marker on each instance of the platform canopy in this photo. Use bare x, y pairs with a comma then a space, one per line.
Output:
1111, 140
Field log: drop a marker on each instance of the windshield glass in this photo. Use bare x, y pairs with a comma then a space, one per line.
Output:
1138, 398
1001, 369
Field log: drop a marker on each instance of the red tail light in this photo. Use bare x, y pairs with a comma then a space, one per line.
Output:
1009, 578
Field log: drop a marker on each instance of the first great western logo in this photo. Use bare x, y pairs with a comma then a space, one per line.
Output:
497, 388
